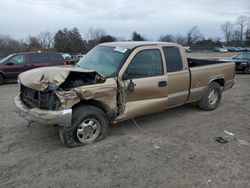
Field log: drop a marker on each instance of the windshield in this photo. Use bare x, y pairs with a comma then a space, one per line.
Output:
105, 60
4, 59
243, 56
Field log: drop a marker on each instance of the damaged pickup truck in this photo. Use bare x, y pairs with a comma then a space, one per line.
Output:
118, 81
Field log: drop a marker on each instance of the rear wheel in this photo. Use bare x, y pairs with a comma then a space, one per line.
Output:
212, 97
1, 79
89, 124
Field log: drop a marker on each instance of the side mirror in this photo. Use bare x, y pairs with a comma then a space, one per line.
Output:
125, 76
131, 86
9, 63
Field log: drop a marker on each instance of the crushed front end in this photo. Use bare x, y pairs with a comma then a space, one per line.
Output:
42, 107
49, 97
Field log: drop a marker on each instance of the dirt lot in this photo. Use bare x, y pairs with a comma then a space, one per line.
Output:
175, 148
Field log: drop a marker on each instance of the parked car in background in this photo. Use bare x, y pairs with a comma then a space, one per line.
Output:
15, 64
237, 49
1, 56
71, 59
74, 59
187, 49
241, 49
66, 56
232, 49
242, 62
218, 49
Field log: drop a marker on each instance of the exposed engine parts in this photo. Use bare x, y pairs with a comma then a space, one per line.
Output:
76, 79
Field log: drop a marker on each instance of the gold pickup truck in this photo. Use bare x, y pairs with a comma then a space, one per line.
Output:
118, 81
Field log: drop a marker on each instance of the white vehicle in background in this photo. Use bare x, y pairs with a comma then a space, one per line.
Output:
187, 49
66, 56
218, 49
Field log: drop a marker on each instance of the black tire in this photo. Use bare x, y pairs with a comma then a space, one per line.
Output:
206, 103
1, 79
69, 135
247, 70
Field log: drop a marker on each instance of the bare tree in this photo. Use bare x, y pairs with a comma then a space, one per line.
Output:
9, 45
46, 40
242, 21
193, 35
227, 29
95, 34
33, 44
181, 39
166, 38
248, 37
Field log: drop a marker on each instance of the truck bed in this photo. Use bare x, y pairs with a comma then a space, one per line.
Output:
201, 62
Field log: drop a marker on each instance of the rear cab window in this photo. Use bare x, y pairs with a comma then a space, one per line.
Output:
173, 59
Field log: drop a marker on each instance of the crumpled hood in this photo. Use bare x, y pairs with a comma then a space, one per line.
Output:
42, 78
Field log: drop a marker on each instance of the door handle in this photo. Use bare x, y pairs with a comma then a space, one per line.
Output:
162, 84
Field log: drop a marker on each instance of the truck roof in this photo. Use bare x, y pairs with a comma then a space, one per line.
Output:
134, 44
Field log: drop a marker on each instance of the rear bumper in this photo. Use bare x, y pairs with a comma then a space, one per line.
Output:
61, 117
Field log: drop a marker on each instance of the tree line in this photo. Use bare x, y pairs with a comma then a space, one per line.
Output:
234, 32
71, 41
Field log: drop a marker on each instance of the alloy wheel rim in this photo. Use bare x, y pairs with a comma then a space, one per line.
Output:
88, 130
213, 97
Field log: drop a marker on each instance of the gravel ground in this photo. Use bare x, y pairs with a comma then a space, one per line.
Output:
175, 148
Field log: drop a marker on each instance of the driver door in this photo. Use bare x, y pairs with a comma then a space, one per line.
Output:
14, 66
144, 75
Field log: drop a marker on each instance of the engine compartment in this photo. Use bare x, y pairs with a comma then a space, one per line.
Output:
77, 79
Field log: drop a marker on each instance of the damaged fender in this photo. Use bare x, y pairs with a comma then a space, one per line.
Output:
73, 85
104, 93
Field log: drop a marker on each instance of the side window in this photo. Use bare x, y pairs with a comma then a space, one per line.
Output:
18, 59
54, 57
39, 58
173, 59
146, 63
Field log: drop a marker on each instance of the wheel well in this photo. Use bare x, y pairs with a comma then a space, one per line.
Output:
2, 75
220, 81
109, 112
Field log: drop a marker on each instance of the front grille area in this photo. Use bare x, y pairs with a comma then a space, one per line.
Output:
46, 100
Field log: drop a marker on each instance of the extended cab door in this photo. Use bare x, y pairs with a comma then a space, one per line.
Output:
178, 75
145, 78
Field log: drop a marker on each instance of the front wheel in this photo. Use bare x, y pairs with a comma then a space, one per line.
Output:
212, 97
1, 79
89, 124
247, 70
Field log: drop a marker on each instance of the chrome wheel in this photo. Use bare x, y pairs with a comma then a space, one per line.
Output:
88, 130
213, 97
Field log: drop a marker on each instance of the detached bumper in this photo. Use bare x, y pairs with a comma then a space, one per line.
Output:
62, 117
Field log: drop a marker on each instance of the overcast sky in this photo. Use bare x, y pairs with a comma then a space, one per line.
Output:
20, 18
